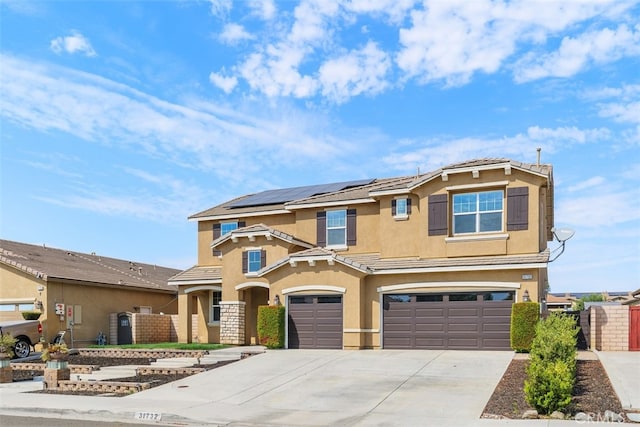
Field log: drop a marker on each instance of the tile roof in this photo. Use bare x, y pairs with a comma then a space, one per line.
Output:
50, 263
208, 274
373, 264
364, 192
379, 265
260, 230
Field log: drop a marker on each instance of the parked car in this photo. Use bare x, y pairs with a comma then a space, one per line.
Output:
26, 332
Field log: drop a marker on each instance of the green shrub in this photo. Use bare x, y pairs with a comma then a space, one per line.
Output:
551, 372
549, 385
556, 339
271, 326
524, 318
31, 315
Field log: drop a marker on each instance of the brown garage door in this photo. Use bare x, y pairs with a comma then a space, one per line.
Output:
463, 321
315, 321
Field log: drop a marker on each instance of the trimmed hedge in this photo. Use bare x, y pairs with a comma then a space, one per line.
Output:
31, 315
271, 325
524, 318
552, 371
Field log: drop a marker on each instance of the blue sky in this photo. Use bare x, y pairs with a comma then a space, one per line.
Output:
120, 119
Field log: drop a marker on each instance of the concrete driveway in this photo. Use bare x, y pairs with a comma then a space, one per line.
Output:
326, 387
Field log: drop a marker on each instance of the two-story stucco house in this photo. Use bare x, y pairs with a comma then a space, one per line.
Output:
432, 261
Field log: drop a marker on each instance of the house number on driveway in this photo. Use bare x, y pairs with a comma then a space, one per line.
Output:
153, 416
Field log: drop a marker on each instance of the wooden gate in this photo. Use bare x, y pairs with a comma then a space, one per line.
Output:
634, 328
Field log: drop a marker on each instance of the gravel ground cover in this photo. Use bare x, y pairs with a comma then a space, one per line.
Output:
593, 392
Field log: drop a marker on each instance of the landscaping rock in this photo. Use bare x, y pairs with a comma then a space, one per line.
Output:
530, 414
557, 415
633, 417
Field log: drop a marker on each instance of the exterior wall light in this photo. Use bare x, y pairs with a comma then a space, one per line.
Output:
525, 296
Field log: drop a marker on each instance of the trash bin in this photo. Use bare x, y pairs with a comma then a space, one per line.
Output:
125, 335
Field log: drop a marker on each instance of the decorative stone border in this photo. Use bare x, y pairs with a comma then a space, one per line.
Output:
150, 370
75, 369
119, 387
139, 353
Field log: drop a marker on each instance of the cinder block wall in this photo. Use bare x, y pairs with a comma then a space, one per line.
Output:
610, 327
150, 328
174, 327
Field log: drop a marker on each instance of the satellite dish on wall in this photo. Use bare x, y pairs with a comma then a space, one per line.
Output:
563, 234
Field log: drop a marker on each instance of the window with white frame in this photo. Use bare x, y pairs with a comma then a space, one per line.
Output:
337, 228
254, 260
478, 212
214, 316
228, 227
400, 208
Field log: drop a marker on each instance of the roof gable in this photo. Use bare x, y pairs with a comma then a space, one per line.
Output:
259, 230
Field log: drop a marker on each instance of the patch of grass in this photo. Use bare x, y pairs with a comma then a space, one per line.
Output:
167, 346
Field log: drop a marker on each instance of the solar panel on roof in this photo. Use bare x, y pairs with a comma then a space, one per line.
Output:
273, 197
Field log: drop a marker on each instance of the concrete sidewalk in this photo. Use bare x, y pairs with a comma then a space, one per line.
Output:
305, 388
623, 368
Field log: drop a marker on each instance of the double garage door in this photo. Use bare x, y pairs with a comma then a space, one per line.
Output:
463, 321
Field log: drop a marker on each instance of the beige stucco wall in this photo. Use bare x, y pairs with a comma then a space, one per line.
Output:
18, 286
379, 232
95, 303
517, 242
282, 222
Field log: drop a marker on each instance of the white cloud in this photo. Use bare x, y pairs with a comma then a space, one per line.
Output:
227, 84
198, 134
434, 153
601, 209
74, 43
395, 10
587, 184
220, 8
234, 33
265, 9
451, 41
576, 53
358, 72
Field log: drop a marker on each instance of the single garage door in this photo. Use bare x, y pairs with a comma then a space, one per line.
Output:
315, 321
463, 321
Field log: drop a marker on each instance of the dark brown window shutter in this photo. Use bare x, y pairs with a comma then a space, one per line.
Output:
517, 208
216, 235
393, 207
351, 227
263, 258
438, 214
408, 205
321, 233
245, 261
241, 224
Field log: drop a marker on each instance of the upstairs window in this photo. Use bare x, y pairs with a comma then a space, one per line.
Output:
478, 212
253, 260
222, 228
401, 208
337, 228
228, 227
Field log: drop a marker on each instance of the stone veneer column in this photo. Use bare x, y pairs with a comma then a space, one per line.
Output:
232, 319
